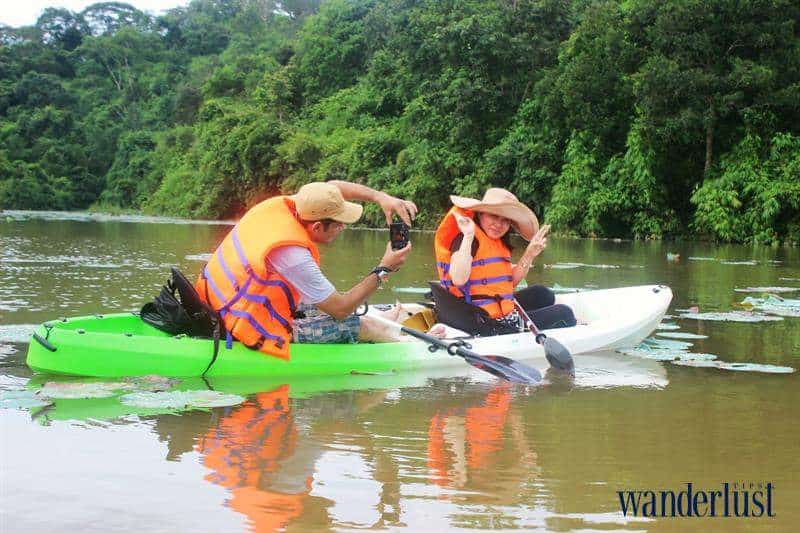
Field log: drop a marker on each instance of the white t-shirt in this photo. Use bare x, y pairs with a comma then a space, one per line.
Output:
297, 265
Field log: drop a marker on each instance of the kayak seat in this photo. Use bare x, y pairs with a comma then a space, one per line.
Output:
457, 313
178, 309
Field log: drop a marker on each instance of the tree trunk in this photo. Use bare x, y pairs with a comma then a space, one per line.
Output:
709, 144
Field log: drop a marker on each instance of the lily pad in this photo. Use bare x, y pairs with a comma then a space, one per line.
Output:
667, 326
738, 367
20, 399
660, 344
731, 316
666, 354
774, 305
768, 289
747, 262
680, 335
181, 399
64, 390
563, 266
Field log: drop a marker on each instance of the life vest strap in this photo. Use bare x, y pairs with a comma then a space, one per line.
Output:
263, 300
258, 327
478, 262
482, 300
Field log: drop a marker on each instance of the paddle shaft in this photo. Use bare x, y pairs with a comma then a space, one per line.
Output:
538, 335
556, 353
496, 365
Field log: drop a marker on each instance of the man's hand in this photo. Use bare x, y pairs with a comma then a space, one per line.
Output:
394, 259
539, 241
465, 225
391, 205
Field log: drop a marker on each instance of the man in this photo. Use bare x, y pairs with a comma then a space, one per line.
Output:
269, 263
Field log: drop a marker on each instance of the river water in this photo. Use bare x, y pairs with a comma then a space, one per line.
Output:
419, 452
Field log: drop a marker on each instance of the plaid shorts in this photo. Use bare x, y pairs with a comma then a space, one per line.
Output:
321, 328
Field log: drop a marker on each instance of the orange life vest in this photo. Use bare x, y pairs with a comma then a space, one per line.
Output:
490, 284
256, 305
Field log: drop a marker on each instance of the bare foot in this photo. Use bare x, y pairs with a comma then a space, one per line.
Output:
438, 331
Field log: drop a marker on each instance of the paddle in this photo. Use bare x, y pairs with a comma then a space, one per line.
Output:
497, 365
555, 352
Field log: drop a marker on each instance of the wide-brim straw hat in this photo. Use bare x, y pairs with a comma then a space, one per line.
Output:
502, 203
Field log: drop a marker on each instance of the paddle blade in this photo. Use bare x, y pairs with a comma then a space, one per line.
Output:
504, 368
558, 356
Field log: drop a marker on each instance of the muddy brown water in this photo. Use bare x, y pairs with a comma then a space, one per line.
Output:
418, 452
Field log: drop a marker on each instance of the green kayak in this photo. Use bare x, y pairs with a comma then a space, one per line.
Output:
123, 345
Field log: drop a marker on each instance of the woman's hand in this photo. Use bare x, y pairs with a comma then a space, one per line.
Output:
465, 225
538, 242
391, 205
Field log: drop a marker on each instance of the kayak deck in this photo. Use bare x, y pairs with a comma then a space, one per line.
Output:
119, 345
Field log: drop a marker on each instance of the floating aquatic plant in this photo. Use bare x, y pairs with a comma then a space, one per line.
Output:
774, 305
680, 335
93, 388
20, 399
63, 390
768, 289
660, 344
740, 367
747, 262
731, 316
562, 266
665, 326
181, 399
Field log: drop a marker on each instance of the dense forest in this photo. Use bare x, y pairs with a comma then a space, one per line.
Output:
632, 118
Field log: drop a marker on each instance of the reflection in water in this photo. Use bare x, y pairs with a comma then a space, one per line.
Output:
427, 455
463, 442
253, 452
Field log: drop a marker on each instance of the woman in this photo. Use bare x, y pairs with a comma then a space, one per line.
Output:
473, 258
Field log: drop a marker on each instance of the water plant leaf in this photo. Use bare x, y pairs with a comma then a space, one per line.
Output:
746, 262
768, 289
738, 367
62, 390
20, 399
181, 399
731, 316
680, 335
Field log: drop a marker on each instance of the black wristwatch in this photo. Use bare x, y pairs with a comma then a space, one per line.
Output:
382, 273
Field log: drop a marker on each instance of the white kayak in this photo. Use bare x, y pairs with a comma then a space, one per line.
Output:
608, 319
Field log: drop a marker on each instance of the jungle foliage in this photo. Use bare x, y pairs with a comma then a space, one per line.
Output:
635, 118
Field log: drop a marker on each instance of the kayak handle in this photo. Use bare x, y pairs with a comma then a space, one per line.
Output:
44, 342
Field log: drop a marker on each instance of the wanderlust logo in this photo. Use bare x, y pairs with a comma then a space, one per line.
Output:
740, 499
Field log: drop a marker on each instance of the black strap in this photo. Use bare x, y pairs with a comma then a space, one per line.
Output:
217, 331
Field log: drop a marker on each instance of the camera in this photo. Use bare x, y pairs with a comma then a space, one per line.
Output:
398, 234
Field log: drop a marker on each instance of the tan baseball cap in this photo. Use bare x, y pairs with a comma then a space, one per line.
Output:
318, 201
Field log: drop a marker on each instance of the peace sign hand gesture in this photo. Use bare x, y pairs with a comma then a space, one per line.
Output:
539, 241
